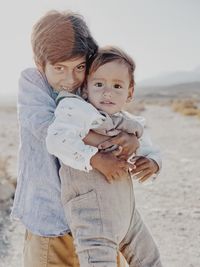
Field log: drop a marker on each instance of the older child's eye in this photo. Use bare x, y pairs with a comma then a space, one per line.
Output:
98, 84
59, 68
81, 67
117, 86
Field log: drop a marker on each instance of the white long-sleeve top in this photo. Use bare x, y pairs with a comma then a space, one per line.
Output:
74, 118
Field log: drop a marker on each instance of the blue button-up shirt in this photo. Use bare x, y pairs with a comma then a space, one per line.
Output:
37, 200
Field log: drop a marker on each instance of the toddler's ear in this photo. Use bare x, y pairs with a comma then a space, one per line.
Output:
130, 94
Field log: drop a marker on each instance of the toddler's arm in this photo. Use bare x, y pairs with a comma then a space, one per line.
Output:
73, 120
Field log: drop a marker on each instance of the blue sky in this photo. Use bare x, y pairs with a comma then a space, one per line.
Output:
161, 35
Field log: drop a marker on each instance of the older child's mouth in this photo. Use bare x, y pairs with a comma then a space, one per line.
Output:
68, 89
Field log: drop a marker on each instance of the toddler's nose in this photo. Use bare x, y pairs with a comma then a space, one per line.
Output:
107, 92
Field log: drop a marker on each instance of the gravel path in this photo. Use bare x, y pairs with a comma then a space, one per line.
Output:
170, 207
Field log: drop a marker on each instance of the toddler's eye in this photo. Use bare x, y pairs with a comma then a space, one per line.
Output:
117, 86
98, 84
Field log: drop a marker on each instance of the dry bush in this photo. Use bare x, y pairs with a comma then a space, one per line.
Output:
189, 111
180, 105
198, 114
186, 107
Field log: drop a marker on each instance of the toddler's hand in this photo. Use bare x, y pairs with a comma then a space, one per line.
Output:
145, 168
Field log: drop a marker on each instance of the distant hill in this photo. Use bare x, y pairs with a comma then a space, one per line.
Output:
178, 85
172, 78
177, 91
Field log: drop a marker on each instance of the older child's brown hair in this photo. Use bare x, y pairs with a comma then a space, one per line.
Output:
109, 54
60, 36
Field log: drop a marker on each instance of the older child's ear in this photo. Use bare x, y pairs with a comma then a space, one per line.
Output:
130, 94
39, 66
84, 93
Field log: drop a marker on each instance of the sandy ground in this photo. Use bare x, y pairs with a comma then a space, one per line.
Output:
170, 206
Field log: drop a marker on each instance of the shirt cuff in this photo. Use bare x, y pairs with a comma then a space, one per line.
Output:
88, 153
159, 163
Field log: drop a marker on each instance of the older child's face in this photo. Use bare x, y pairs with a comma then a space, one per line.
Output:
108, 88
67, 75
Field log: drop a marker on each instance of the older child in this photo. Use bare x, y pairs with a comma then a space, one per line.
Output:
102, 217
57, 38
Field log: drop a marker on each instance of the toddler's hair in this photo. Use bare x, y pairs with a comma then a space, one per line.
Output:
60, 36
109, 54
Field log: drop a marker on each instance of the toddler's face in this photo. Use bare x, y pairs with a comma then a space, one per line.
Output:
108, 87
67, 75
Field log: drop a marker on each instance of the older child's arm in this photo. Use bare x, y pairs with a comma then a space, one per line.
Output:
128, 142
36, 107
148, 158
35, 104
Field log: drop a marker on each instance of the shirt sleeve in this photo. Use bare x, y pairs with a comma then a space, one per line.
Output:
73, 120
147, 148
35, 104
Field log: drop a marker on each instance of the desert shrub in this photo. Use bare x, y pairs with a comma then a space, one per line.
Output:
180, 105
198, 114
189, 111
186, 107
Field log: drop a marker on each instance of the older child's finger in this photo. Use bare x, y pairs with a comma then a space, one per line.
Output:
141, 160
141, 167
110, 142
142, 174
117, 151
143, 179
131, 166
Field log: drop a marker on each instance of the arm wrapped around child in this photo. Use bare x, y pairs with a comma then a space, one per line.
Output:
74, 119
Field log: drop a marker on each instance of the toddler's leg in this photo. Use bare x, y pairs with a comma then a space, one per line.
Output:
138, 246
94, 244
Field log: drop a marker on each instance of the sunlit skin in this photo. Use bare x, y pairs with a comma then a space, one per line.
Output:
67, 75
109, 87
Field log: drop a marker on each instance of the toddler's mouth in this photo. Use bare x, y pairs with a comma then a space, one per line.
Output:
107, 103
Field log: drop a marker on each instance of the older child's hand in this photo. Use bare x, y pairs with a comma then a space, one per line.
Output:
145, 168
110, 166
128, 142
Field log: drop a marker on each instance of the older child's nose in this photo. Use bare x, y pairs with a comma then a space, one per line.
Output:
69, 77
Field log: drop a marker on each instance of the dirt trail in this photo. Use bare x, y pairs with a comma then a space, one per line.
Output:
170, 206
